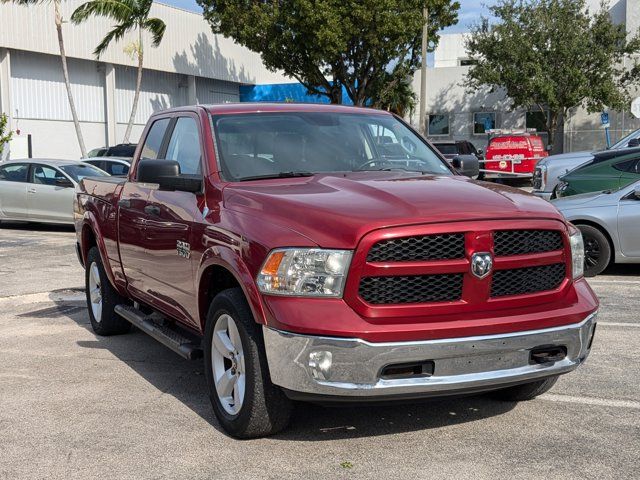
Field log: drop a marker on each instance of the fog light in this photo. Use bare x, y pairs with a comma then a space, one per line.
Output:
320, 364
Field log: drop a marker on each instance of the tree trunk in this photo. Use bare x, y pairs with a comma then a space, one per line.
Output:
67, 83
555, 119
336, 93
136, 96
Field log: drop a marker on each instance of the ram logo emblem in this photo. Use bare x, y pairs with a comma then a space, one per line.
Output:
481, 264
183, 248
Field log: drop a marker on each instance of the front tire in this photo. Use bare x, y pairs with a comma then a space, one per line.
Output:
597, 250
102, 298
526, 391
244, 400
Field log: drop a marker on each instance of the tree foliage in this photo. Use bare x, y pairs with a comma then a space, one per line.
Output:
5, 136
552, 56
330, 44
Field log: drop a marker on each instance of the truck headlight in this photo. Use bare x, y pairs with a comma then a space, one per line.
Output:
577, 252
304, 272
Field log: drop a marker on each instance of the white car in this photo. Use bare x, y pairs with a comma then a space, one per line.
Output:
41, 190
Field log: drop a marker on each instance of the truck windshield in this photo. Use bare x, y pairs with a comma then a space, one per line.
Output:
283, 144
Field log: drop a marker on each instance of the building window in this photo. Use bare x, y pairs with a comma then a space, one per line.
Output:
438, 125
483, 121
537, 120
467, 62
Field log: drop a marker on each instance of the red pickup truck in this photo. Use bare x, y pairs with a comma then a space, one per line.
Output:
329, 254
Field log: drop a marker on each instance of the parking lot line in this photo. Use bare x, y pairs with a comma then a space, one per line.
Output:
618, 324
615, 282
601, 402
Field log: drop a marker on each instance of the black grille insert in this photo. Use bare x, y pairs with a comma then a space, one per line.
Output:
521, 281
411, 289
424, 247
520, 242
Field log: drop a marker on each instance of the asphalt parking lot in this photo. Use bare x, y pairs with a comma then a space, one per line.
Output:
74, 405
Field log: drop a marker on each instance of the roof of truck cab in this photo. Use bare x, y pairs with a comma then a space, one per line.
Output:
257, 107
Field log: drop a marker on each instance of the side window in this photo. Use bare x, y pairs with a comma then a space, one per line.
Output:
15, 172
118, 169
184, 146
44, 175
153, 142
626, 166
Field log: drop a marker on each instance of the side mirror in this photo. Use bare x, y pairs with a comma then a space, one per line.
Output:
467, 165
634, 142
166, 173
64, 182
480, 151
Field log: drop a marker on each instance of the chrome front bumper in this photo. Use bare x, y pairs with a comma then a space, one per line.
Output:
342, 367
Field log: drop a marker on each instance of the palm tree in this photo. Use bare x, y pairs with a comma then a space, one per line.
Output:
63, 58
128, 15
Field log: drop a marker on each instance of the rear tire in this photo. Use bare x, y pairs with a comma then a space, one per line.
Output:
597, 251
244, 400
526, 391
102, 298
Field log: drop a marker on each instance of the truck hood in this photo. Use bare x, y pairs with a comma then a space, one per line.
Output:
336, 210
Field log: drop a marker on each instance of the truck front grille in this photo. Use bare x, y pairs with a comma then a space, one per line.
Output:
521, 281
412, 289
520, 242
423, 247
536, 182
436, 267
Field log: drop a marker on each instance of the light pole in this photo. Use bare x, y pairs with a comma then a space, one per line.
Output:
423, 74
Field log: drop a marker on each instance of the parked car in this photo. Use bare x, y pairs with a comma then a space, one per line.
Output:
610, 225
462, 154
513, 154
549, 170
41, 190
122, 150
303, 262
117, 167
601, 173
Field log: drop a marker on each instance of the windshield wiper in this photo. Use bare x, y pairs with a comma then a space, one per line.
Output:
278, 175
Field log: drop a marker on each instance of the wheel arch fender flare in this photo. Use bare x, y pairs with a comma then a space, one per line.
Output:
228, 259
91, 230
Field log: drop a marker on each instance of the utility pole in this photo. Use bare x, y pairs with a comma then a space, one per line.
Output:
423, 74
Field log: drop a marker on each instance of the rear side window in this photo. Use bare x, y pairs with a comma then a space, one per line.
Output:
14, 173
117, 168
184, 146
153, 142
625, 166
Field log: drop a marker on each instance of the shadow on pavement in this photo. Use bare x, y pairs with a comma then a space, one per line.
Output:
622, 270
185, 381
35, 227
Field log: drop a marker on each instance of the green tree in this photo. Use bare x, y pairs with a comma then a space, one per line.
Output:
552, 56
330, 44
4, 135
63, 58
129, 15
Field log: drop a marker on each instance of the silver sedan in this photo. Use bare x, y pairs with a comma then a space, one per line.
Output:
610, 225
39, 190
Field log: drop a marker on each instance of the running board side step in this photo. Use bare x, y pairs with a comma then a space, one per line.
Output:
169, 337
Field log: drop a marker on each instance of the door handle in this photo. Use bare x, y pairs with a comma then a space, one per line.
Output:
31, 190
152, 210
124, 203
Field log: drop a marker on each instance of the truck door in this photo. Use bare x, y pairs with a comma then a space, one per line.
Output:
132, 216
169, 275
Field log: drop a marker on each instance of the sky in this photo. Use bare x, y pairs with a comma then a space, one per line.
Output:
470, 11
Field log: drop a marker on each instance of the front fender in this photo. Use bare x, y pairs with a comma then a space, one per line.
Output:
230, 259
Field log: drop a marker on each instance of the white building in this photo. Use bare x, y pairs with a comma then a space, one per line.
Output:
191, 65
455, 113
